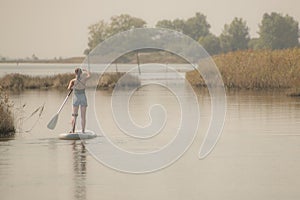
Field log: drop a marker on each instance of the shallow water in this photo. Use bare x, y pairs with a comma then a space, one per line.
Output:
257, 156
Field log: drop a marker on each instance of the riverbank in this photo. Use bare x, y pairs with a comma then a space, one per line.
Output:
249, 70
261, 69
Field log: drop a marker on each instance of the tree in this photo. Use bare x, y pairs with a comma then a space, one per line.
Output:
197, 26
124, 22
97, 33
235, 36
254, 43
177, 24
165, 24
100, 31
277, 31
211, 44
34, 57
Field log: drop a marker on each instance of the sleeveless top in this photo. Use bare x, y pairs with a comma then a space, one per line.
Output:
80, 84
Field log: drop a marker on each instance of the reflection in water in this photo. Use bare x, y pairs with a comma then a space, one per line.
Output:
79, 168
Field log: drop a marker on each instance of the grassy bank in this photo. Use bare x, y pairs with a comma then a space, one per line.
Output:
61, 81
7, 127
263, 69
21, 82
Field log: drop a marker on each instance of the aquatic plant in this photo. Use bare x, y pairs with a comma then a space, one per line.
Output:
7, 127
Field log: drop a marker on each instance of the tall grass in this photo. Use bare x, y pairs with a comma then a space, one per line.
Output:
110, 79
61, 81
7, 127
20, 81
261, 69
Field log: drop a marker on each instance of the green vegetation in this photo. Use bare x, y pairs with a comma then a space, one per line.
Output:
195, 27
261, 69
278, 32
7, 128
100, 31
275, 32
235, 36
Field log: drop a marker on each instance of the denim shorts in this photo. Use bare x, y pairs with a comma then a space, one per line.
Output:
79, 98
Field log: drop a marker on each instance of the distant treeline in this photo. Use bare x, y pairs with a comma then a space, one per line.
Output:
37, 60
276, 31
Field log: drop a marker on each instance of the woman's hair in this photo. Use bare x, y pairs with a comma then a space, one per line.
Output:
78, 72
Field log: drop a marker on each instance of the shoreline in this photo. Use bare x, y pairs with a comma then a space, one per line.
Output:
71, 60
247, 69
20, 82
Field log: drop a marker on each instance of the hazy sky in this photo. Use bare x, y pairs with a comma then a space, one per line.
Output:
53, 28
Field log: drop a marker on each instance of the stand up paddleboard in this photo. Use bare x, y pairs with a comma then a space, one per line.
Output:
77, 135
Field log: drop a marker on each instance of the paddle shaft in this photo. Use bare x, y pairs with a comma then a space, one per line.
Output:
62, 105
53, 121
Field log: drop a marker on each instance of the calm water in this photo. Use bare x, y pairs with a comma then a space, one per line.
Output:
257, 156
46, 69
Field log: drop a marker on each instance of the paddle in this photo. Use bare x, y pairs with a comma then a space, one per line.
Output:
53, 121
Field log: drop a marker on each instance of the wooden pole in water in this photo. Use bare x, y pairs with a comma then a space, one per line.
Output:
138, 61
88, 59
116, 66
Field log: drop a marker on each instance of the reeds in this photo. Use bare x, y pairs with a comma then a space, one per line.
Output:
260, 69
20, 81
7, 127
61, 81
110, 79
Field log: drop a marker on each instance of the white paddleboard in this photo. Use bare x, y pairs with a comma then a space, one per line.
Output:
77, 135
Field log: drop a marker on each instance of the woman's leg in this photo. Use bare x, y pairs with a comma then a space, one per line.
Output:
74, 116
83, 117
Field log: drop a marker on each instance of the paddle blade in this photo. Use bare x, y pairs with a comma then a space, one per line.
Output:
53, 121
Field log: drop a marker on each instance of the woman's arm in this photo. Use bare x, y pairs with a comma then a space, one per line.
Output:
71, 84
88, 75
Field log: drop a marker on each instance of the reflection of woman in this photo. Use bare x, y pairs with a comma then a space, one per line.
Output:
78, 84
79, 168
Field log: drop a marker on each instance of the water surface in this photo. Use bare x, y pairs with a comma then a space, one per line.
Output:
257, 156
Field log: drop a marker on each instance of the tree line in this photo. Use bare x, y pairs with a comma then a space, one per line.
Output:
276, 31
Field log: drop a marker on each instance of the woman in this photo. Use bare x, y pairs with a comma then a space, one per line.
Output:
78, 84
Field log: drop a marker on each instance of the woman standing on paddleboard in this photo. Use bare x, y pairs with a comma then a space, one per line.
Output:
78, 85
